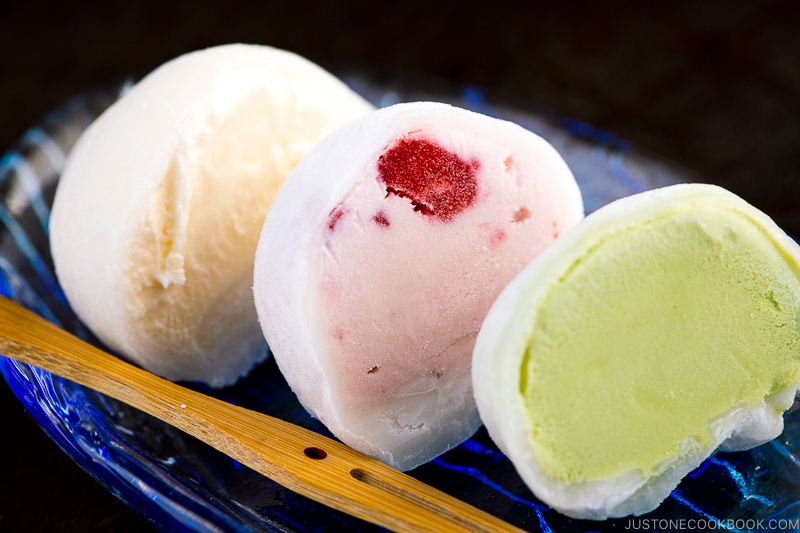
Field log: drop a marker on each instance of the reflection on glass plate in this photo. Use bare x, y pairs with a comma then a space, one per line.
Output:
181, 484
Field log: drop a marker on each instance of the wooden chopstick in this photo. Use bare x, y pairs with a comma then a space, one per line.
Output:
299, 459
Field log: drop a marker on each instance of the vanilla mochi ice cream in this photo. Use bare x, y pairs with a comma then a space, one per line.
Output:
662, 327
158, 212
381, 256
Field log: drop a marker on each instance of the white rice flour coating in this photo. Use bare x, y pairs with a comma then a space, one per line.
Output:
158, 212
381, 256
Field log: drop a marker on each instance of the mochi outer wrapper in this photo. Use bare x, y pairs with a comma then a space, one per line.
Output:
404, 394
508, 330
158, 212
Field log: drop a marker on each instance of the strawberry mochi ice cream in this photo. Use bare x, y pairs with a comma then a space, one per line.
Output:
381, 256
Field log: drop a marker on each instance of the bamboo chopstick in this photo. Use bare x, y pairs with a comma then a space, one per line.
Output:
301, 460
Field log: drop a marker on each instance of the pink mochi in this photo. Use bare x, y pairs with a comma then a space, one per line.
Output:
381, 256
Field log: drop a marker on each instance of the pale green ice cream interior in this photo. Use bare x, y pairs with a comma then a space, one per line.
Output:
659, 328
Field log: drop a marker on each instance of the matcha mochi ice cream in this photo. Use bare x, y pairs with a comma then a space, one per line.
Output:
662, 327
158, 212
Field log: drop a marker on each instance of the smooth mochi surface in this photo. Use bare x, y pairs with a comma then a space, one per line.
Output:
158, 212
660, 328
381, 256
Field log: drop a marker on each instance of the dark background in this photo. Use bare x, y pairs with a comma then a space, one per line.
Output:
714, 89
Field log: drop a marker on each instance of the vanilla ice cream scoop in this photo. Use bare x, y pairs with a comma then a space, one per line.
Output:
157, 214
660, 328
381, 256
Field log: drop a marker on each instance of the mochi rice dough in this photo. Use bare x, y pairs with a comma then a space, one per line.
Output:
381, 256
660, 328
158, 212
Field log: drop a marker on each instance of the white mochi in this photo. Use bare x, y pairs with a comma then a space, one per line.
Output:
157, 214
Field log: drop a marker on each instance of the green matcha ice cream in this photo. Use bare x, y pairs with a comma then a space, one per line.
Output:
660, 328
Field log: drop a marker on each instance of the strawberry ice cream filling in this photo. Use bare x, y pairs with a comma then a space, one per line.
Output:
413, 258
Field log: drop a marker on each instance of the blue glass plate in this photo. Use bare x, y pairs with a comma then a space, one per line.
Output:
180, 484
